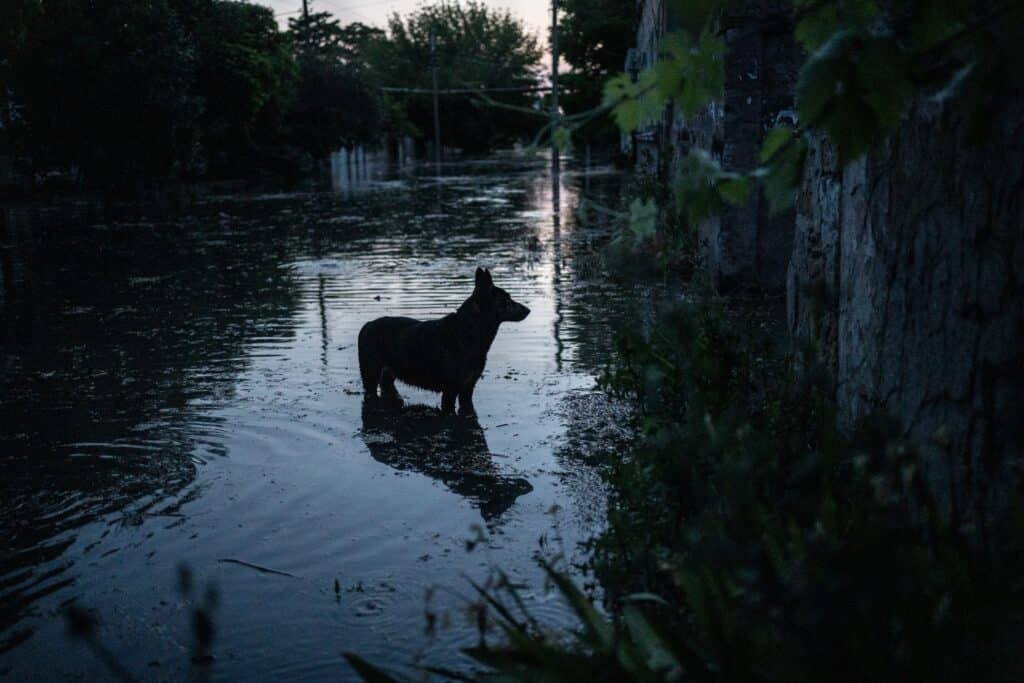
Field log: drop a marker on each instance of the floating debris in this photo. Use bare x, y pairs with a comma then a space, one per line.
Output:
257, 567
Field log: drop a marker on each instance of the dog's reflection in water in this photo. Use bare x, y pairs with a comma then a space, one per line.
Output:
450, 449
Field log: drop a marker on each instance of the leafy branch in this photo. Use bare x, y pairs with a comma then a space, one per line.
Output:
863, 70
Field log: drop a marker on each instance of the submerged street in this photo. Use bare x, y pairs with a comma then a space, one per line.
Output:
186, 391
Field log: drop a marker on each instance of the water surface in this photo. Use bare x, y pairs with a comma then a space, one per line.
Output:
186, 390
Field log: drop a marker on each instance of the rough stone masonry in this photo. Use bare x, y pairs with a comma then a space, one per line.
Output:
908, 272
905, 269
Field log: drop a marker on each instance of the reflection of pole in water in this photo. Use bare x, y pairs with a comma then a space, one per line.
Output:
556, 238
349, 174
556, 194
323, 322
438, 191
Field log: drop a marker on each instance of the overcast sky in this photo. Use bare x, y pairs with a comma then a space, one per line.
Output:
535, 13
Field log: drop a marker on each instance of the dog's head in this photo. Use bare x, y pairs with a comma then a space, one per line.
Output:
495, 301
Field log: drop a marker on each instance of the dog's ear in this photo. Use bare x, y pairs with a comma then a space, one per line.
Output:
483, 279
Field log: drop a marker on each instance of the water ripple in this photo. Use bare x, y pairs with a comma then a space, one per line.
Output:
186, 389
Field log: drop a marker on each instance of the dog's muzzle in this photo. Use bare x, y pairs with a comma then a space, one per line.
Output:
519, 312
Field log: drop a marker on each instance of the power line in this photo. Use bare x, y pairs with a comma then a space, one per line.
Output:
335, 9
353, 8
464, 91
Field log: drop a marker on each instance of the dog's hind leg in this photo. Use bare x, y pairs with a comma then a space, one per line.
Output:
387, 384
370, 376
369, 370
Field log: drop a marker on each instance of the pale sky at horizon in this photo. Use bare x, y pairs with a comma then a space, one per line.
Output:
536, 14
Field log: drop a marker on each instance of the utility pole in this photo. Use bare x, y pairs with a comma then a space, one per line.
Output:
554, 88
305, 9
437, 117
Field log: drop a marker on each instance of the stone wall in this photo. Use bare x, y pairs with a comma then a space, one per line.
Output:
908, 272
747, 245
905, 269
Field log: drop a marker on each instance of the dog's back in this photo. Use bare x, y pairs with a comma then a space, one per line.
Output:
409, 349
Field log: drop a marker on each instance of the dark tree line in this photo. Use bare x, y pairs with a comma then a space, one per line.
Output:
594, 37
128, 89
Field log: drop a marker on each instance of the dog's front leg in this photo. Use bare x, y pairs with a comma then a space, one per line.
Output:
448, 401
466, 401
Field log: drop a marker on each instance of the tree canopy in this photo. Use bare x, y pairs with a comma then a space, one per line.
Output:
245, 77
477, 47
129, 89
594, 37
108, 87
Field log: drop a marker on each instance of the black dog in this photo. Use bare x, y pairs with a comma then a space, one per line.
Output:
446, 355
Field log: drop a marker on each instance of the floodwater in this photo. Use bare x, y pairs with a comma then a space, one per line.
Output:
185, 391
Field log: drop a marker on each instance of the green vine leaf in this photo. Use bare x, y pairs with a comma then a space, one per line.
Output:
634, 103
857, 88
781, 177
697, 15
703, 188
816, 28
774, 141
692, 73
643, 219
735, 190
821, 20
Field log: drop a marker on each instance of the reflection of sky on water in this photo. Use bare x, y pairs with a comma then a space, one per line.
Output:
187, 389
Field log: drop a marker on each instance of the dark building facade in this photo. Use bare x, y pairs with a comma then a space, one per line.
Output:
746, 246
